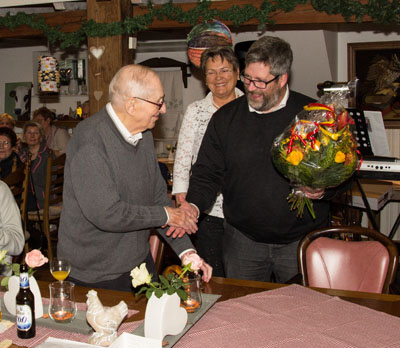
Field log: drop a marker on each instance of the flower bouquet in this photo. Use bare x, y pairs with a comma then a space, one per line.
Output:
317, 150
170, 284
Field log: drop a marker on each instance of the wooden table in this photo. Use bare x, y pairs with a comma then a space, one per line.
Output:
233, 288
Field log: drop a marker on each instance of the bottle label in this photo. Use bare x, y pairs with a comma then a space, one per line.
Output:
24, 280
24, 317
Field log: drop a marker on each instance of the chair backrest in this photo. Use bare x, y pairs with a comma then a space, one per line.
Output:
54, 182
367, 265
156, 250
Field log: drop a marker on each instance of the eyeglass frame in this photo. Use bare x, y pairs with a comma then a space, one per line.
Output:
212, 73
6, 144
159, 105
242, 76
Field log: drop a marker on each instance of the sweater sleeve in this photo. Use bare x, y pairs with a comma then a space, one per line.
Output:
104, 207
11, 233
208, 171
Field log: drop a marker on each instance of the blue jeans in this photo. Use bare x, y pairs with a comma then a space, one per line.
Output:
208, 241
247, 259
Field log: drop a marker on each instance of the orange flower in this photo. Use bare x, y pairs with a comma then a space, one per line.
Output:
340, 157
295, 157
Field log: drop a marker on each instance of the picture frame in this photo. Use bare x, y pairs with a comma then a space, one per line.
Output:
376, 65
17, 100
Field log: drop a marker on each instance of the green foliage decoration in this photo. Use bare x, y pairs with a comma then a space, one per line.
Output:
380, 11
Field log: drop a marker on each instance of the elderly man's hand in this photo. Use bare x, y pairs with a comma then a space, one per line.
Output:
181, 222
200, 264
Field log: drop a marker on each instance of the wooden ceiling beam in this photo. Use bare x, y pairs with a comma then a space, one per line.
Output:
69, 21
303, 14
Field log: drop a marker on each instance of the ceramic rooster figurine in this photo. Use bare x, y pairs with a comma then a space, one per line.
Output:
104, 320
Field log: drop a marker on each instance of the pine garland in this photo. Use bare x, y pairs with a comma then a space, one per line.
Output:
380, 11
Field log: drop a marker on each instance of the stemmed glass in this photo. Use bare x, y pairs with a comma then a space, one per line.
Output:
60, 269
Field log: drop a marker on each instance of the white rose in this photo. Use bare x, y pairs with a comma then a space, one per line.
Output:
140, 276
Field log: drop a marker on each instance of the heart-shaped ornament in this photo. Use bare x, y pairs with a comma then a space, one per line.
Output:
159, 311
11, 294
97, 52
97, 95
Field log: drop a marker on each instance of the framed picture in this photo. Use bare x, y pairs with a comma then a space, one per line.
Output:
376, 65
17, 100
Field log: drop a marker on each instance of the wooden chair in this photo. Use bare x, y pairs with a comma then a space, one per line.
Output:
50, 214
18, 181
368, 265
156, 250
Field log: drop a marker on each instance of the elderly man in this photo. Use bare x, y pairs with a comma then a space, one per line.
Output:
114, 192
261, 233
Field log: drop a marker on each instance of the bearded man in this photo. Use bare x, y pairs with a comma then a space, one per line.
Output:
261, 233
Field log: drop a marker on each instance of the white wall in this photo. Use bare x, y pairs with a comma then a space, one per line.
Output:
17, 65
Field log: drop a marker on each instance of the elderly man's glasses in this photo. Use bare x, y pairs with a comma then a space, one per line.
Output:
159, 105
257, 83
5, 144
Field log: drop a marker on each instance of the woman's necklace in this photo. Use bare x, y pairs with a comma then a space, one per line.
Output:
218, 106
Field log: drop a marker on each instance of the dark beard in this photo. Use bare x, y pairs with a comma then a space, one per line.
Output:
267, 103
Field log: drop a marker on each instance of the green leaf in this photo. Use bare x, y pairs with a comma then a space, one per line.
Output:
182, 294
149, 292
158, 293
171, 291
4, 281
164, 281
15, 268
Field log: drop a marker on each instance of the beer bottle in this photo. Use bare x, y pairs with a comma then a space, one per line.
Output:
26, 325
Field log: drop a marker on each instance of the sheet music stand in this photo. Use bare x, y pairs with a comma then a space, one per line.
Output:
361, 134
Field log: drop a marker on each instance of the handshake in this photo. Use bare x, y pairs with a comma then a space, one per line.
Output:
182, 220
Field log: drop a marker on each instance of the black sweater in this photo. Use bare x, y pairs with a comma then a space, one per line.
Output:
235, 158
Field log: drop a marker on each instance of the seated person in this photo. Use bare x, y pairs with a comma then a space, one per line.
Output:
11, 233
56, 138
36, 147
9, 160
7, 120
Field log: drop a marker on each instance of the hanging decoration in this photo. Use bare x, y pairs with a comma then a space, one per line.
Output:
48, 74
206, 35
382, 12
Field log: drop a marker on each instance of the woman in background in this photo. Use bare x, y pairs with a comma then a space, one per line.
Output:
36, 147
9, 160
7, 120
56, 138
221, 70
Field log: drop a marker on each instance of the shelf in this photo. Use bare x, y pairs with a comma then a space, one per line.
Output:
62, 124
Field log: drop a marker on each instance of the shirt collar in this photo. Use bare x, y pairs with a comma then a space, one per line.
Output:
281, 105
132, 139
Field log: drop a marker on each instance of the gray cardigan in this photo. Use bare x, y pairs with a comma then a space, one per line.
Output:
113, 194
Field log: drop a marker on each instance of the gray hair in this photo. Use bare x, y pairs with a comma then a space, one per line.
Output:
129, 81
224, 52
34, 124
272, 51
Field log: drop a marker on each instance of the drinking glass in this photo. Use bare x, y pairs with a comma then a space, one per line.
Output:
60, 269
62, 306
192, 287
